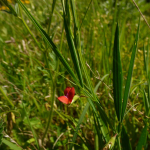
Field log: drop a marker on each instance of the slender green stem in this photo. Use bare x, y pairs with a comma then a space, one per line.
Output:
51, 15
118, 137
28, 29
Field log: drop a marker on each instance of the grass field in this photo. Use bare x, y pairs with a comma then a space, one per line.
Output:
101, 48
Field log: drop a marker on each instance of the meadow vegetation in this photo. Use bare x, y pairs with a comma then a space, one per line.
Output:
101, 48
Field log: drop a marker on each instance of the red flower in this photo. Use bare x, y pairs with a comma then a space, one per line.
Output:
69, 94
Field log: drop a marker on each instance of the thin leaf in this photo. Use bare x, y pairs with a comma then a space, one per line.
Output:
5, 96
71, 44
11, 145
143, 138
98, 132
129, 77
110, 143
146, 103
78, 125
99, 83
126, 145
117, 76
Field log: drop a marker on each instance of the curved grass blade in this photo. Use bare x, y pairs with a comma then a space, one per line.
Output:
146, 103
102, 121
9, 101
129, 77
49, 41
99, 83
146, 68
126, 145
117, 76
70, 41
143, 138
11, 145
110, 144
78, 125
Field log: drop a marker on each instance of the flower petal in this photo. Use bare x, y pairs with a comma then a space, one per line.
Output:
64, 99
66, 91
71, 94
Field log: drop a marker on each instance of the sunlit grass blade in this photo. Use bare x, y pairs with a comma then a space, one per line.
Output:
143, 138
126, 145
145, 60
129, 77
49, 41
98, 135
104, 118
99, 83
70, 41
103, 122
5, 96
146, 68
117, 75
78, 125
146, 103
104, 128
11, 145
110, 143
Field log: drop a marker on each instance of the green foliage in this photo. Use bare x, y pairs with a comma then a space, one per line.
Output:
11, 145
143, 138
1, 131
117, 76
46, 46
125, 140
130, 71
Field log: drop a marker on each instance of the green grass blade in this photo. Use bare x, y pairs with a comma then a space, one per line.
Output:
146, 68
98, 134
1, 130
146, 103
117, 76
99, 83
71, 44
11, 145
126, 145
147, 60
144, 57
102, 120
51, 15
129, 77
78, 125
8, 100
143, 138
48, 40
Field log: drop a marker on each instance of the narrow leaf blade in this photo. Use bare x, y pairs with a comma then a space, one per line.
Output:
129, 77
117, 75
126, 145
143, 138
